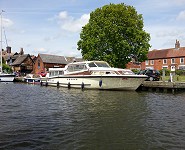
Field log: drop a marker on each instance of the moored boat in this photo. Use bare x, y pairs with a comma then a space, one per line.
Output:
6, 77
30, 78
93, 75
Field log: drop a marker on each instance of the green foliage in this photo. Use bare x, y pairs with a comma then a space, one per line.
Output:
7, 68
177, 72
136, 71
167, 72
3, 61
113, 34
180, 72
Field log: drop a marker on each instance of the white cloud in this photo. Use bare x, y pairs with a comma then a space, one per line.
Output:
181, 16
165, 36
180, 2
41, 50
7, 22
69, 23
63, 15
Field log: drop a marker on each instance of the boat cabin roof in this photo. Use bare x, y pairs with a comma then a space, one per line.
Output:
90, 63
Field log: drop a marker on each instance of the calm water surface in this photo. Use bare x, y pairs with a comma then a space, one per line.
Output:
34, 118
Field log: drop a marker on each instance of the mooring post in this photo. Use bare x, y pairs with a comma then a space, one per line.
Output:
58, 84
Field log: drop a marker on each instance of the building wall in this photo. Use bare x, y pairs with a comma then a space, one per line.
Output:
158, 64
38, 66
43, 67
131, 66
25, 67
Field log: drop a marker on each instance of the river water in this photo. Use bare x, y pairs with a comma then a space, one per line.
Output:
34, 117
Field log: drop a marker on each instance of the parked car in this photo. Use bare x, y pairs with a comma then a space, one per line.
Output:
153, 75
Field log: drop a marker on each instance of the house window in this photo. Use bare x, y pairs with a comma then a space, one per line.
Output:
152, 62
182, 60
173, 60
164, 61
146, 62
181, 67
165, 67
39, 64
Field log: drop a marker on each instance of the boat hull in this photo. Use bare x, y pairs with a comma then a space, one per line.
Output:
6, 78
32, 80
98, 82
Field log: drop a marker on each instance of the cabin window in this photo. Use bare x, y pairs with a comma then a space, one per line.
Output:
182, 60
56, 73
164, 61
173, 60
92, 65
51, 73
61, 72
79, 67
70, 68
76, 67
102, 64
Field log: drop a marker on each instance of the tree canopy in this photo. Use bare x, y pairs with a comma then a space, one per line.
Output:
114, 34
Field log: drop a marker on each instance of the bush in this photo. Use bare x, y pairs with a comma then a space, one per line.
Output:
136, 71
180, 72
167, 72
7, 68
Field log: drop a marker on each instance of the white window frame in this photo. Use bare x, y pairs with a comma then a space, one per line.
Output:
146, 62
165, 67
151, 62
181, 66
173, 61
164, 61
181, 60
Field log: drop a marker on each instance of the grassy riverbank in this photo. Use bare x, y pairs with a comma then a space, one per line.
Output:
175, 78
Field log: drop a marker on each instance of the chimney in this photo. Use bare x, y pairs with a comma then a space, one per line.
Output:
8, 49
177, 45
21, 51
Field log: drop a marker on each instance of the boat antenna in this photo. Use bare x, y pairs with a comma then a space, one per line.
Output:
5, 37
1, 13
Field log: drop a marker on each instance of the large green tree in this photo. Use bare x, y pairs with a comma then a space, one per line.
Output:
114, 34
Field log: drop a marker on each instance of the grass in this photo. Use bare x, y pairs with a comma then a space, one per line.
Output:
175, 78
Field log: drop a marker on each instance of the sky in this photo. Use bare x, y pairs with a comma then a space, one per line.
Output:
53, 27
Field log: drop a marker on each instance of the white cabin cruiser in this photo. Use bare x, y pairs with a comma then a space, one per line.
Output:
94, 75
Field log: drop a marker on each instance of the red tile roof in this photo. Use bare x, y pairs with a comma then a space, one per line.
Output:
166, 53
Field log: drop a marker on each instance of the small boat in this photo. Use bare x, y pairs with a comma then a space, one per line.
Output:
93, 75
6, 77
30, 78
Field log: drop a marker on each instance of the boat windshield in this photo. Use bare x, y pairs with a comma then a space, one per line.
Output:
56, 73
76, 67
99, 64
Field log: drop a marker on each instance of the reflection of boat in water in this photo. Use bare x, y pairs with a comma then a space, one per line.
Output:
93, 75
30, 78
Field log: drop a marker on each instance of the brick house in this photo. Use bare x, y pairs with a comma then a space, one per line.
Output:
44, 61
172, 58
23, 64
10, 57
